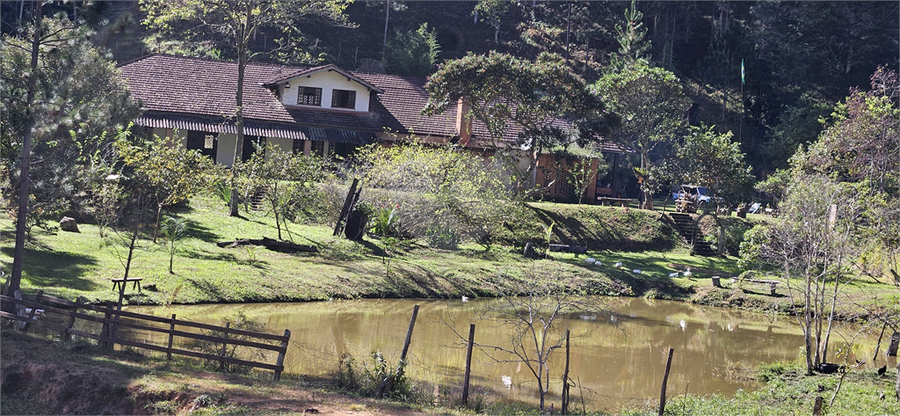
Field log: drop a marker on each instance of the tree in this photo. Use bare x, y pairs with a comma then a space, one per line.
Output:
841, 206
444, 193
632, 45
811, 245
536, 308
238, 21
413, 53
173, 229
707, 158
58, 95
651, 105
504, 92
287, 181
172, 173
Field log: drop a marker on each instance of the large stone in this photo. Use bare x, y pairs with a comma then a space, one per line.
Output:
68, 224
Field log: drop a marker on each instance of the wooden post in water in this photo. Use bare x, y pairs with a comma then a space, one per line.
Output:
662, 394
281, 353
224, 345
171, 338
565, 378
412, 323
465, 395
386, 383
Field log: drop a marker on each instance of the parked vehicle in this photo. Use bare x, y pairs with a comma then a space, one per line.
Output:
699, 194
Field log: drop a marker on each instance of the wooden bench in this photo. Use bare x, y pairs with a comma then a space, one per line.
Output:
716, 281
121, 283
622, 202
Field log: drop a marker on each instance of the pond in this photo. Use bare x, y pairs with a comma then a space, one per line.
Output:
616, 360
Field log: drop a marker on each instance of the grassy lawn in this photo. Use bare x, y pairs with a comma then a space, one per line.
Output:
81, 264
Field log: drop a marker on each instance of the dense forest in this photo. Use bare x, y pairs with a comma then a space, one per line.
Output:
799, 58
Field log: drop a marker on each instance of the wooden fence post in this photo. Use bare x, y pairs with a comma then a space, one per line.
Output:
224, 345
106, 332
33, 311
662, 394
386, 383
171, 338
281, 354
565, 389
465, 394
65, 336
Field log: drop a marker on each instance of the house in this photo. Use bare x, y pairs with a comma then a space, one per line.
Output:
323, 110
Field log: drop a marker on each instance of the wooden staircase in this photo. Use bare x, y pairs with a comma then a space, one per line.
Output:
684, 223
257, 200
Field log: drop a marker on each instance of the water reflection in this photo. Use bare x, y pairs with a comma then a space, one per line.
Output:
617, 359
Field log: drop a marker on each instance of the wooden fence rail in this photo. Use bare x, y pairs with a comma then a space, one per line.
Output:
111, 319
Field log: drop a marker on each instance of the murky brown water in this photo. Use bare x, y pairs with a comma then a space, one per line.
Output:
715, 349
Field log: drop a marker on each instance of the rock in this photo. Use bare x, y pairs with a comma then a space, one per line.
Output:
68, 224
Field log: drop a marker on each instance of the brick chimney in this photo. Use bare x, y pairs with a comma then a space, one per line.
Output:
463, 122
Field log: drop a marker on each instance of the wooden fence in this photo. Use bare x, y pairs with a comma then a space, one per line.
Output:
111, 321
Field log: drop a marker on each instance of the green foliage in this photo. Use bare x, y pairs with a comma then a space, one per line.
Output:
505, 92
78, 105
168, 174
648, 101
438, 188
172, 229
373, 378
230, 26
632, 45
413, 52
287, 181
709, 159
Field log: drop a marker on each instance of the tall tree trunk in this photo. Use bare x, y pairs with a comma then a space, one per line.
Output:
239, 110
15, 277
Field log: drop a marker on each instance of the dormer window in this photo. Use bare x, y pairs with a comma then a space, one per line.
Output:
343, 99
309, 96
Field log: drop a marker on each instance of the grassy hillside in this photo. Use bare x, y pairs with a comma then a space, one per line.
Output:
82, 264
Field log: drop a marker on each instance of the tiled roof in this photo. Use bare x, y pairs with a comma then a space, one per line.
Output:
200, 92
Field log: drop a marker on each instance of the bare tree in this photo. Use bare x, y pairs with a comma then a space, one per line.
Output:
535, 309
812, 244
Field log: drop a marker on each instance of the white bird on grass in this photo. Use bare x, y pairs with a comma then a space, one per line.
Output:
673, 274
688, 272
465, 298
618, 264
637, 271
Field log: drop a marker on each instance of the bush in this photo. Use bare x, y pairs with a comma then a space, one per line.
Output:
375, 378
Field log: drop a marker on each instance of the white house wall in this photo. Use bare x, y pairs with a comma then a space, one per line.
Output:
225, 149
327, 81
286, 145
